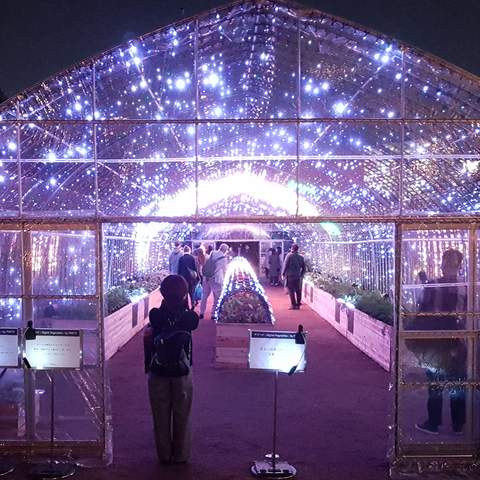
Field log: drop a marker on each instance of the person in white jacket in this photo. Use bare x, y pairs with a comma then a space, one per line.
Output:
213, 276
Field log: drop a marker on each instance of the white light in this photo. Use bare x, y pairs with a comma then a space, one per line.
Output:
339, 108
180, 84
191, 130
217, 111
308, 87
385, 59
425, 89
77, 106
52, 182
398, 76
143, 83
212, 80
133, 88
325, 86
2, 179
12, 146
51, 156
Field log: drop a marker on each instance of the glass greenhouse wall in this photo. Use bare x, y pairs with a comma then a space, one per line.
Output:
260, 112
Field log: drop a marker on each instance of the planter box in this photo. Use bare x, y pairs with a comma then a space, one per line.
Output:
122, 325
368, 334
231, 347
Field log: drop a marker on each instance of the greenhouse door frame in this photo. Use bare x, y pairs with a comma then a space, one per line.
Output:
467, 449
32, 445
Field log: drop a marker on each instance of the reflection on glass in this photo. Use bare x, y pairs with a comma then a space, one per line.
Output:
10, 312
63, 262
65, 314
12, 404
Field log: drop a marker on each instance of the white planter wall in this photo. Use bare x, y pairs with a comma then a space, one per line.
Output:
125, 323
368, 334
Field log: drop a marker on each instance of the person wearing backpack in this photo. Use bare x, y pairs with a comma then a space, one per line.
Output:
168, 363
213, 275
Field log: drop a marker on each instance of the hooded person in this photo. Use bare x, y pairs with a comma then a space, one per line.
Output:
168, 363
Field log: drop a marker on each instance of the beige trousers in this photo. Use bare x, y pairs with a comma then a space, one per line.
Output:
171, 402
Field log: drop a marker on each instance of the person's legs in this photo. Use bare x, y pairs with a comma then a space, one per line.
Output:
207, 289
457, 408
159, 391
217, 290
434, 405
181, 405
291, 291
298, 291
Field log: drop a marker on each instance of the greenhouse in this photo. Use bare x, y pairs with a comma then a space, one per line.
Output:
262, 122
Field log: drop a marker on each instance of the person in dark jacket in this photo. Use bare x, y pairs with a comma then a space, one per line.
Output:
274, 267
444, 359
171, 397
187, 268
293, 270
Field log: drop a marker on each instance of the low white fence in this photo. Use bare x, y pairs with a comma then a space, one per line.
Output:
368, 334
124, 324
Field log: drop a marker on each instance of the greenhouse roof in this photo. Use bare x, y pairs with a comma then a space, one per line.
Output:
260, 108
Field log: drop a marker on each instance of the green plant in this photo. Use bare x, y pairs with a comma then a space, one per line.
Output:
116, 298
373, 303
376, 305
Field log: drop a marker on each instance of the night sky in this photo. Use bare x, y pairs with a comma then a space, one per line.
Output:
41, 37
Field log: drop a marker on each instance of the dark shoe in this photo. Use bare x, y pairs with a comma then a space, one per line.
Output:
457, 429
292, 307
200, 316
427, 427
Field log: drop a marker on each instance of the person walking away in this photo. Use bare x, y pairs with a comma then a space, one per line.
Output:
274, 267
265, 263
174, 258
213, 276
187, 268
293, 270
200, 259
168, 363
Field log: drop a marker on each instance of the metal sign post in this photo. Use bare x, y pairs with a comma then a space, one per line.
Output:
277, 352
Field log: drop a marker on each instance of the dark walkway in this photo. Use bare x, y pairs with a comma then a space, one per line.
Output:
332, 419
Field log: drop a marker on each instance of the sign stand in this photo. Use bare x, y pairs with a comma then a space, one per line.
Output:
6, 468
52, 469
272, 467
276, 351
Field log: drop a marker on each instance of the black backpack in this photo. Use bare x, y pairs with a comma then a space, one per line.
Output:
169, 357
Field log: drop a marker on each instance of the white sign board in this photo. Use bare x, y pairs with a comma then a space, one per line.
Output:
277, 351
9, 347
54, 349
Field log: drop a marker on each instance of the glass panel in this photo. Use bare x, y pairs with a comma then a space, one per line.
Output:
10, 263
347, 72
149, 79
158, 175
8, 110
12, 405
434, 276
65, 314
66, 97
63, 262
433, 286
78, 405
162, 188
442, 168
11, 312
247, 63
53, 188
349, 169
436, 91
91, 348
8, 171
247, 169
439, 359
455, 401
8, 142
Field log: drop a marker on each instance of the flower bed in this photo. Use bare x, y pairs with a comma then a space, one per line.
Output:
368, 334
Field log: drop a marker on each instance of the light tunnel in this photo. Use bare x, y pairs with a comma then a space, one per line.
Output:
260, 121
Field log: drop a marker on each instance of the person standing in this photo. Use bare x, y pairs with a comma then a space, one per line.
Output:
174, 258
293, 270
187, 268
444, 359
274, 267
170, 383
213, 275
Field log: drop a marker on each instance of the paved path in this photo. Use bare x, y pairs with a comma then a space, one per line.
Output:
332, 421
